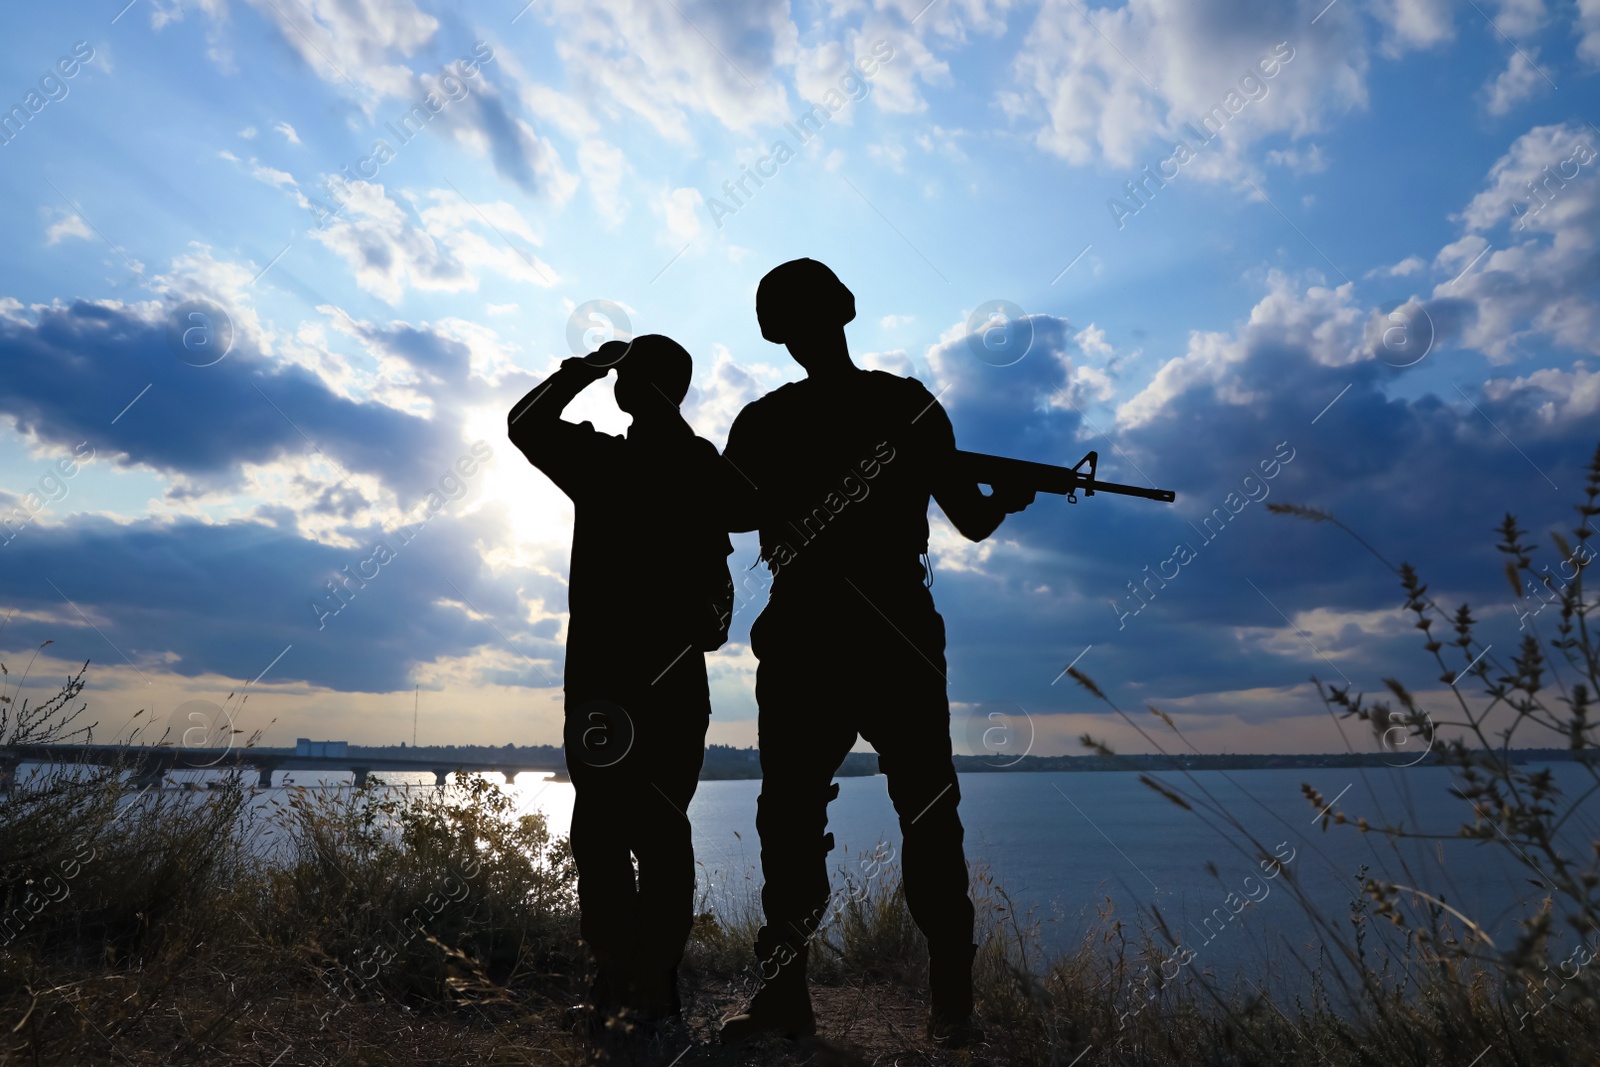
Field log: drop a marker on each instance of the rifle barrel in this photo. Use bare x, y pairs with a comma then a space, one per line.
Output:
1048, 478
1166, 496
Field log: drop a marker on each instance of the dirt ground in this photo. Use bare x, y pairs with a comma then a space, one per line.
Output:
879, 1025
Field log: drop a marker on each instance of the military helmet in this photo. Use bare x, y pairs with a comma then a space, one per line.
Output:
798, 295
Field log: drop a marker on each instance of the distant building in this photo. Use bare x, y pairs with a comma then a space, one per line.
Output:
304, 746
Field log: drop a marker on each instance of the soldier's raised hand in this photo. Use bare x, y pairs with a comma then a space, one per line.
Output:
582, 365
1012, 498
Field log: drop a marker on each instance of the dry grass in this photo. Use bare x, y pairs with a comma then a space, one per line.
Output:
179, 944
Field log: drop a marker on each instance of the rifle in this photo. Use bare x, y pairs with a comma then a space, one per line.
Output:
1046, 478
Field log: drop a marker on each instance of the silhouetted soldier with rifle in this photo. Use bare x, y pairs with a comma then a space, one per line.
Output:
843, 464
649, 593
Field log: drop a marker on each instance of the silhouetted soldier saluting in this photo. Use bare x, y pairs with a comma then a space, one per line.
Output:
843, 464
649, 593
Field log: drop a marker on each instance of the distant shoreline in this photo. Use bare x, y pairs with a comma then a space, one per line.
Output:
725, 763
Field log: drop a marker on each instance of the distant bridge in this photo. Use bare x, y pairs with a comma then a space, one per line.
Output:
150, 764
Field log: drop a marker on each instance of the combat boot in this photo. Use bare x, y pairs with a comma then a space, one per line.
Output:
781, 1006
657, 994
604, 1001
951, 1023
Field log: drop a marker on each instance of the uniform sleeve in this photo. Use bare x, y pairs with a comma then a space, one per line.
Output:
574, 456
930, 424
718, 490
957, 494
739, 471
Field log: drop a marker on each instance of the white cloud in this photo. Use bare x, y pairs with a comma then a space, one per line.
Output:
386, 251
1535, 278
603, 165
198, 273
721, 391
665, 63
67, 224
489, 357
1411, 25
1587, 26
1120, 90
361, 46
817, 72
1560, 396
423, 368
829, 75
1061, 370
1326, 633
670, 64
892, 154
1091, 341
681, 209
1518, 82
565, 112
1308, 160
1094, 379
502, 309
895, 361
349, 43
262, 173
1519, 18
391, 246
944, 142
898, 62
248, 133
1510, 283
486, 236
271, 176
1406, 267
1322, 323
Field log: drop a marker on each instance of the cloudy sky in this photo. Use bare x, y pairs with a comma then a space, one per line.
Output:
1235, 237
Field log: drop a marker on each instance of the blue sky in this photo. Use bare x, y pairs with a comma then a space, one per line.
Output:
1363, 159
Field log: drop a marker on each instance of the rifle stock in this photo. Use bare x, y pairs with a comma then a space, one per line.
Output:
1048, 478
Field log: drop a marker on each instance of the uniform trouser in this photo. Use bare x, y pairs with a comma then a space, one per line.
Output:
832, 668
634, 753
